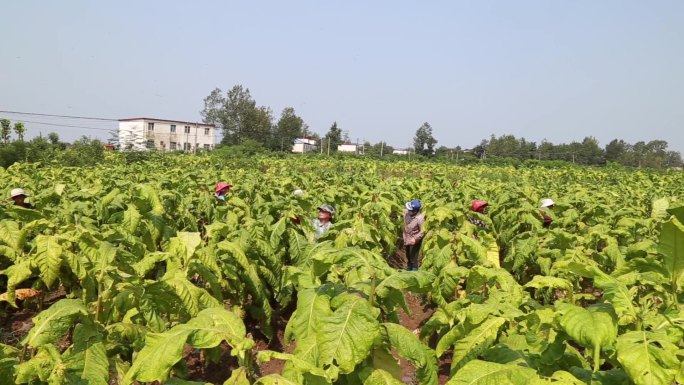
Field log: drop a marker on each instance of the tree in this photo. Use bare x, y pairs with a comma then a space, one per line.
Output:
333, 138
6, 130
20, 130
424, 142
590, 153
238, 116
616, 150
545, 150
289, 127
443, 151
508, 146
53, 138
378, 149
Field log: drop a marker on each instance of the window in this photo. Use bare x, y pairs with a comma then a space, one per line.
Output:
150, 126
187, 129
172, 146
187, 146
161, 144
173, 128
150, 143
207, 146
207, 131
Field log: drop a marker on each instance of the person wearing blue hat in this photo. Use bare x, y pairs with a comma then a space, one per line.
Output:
413, 232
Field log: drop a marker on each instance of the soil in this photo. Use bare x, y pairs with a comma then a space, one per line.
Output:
419, 312
16, 323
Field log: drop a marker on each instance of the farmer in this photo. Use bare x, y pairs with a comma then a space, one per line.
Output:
324, 221
413, 232
480, 207
545, 209
18, 195
221, 189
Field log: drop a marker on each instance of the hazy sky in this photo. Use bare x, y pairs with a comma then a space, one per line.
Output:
559, 70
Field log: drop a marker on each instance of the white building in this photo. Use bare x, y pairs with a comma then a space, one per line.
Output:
400, 152
348, 147
165, 135
302, 145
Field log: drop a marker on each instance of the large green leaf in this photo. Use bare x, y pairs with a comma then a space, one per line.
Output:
381, 377
11, 235
178, 381
414, 281
161, 352
671, 247
238, 377
472, 344
131, 219
50, 325
87, 358
593, 327
478, 372
48, 258
7, 368
207, 330
409, 346
184, 244
346, 336
648, 358
614, 291
275, 379
16, 274
312, 304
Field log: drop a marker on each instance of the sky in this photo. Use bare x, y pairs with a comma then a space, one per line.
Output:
554, 70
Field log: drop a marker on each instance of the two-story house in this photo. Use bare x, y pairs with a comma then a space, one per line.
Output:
165, 135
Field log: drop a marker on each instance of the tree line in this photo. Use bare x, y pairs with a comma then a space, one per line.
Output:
244, 122
654, 154
48, 149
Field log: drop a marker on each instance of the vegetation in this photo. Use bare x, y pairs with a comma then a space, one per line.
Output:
136, 274
241, 119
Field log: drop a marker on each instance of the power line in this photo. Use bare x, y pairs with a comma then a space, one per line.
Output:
58, 116
64, 125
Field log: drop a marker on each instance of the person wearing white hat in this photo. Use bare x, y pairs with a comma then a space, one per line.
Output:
18, 195
324, 221
546, 208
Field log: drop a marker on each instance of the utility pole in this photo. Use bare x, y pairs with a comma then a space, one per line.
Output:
194, 151
328, 146
382, 147
573, 157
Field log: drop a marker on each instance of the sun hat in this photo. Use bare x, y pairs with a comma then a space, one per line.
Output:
298, 192
327, 208
477, 205
413, 205
222, 186
18, 192
547, 202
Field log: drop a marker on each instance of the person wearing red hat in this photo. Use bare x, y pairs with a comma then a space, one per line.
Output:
221, 189
479, 207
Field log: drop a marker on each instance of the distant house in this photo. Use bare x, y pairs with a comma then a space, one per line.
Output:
109, 147
401, 151
302, 145
165, 135
348, 147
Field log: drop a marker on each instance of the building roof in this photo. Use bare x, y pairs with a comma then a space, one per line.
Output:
166, 120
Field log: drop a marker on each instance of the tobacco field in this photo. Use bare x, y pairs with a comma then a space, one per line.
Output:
135, 274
